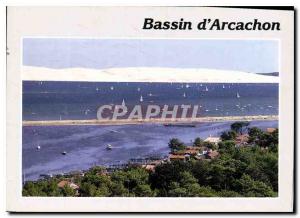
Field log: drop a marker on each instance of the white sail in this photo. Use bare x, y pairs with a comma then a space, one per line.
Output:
138, 89
141, 99
184, 95
223, 86
238, 95
123, 103
206, 89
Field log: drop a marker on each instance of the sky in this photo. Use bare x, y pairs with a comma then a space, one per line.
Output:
256, 56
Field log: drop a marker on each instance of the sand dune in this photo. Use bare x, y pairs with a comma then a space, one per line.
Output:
145, 74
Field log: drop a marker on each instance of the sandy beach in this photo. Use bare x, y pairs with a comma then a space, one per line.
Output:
142, 121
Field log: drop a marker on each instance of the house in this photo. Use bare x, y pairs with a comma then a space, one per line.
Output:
149, 167
270, 130
191, 152
212, 154
192, 148
72, 185
214, 140
174, 157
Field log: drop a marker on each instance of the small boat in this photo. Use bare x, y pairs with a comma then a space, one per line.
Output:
38, 147
113, 131
108, 147
187, 86
150, 94
141, 99
238, 95
138, 89
97, 89
64, 153
111, 88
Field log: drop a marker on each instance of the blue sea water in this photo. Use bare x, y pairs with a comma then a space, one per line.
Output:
80, 100
86, 145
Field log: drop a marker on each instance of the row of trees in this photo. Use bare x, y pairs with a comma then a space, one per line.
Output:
238, 172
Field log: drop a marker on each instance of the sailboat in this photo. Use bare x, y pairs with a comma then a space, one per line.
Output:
184, 95
206, 89
123, 103
111, 88
97, 89
238, 95
187, 86
138, 89
141, 99
150, 94
223, 86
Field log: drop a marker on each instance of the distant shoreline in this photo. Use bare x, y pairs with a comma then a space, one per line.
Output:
144, 121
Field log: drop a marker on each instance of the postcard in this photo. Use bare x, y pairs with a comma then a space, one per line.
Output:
150, 109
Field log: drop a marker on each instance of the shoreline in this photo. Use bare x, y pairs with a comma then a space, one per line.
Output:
144, 121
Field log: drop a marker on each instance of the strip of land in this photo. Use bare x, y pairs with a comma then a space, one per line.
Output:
144, 121
145, 74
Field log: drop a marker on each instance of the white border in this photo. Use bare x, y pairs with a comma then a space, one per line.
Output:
159, 204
